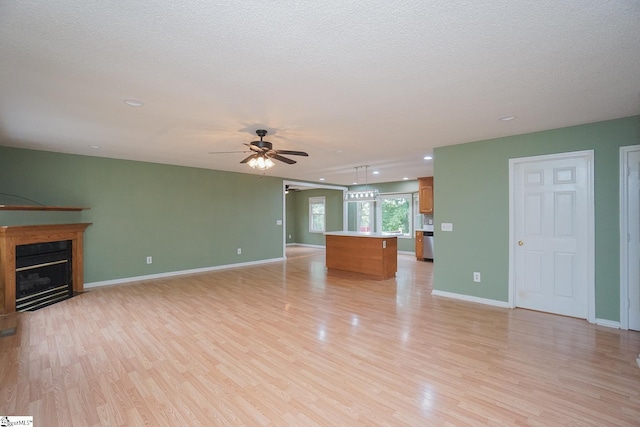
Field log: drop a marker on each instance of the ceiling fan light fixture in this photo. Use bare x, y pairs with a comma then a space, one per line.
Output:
268, 163
261, 163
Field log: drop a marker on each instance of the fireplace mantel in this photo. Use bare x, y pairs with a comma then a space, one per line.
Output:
40, 208
12, 236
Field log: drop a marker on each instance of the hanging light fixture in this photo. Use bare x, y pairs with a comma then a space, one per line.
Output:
261, 162
366, 195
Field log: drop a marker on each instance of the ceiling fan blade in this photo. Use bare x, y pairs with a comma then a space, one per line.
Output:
292, 153
260, 148
254, 148
253, 156
282, 159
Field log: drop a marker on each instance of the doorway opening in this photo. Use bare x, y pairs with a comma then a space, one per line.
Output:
299, 187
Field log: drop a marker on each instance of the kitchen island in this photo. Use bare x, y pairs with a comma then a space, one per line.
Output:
373, 254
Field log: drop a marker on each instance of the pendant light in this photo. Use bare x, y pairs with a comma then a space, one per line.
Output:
366, 195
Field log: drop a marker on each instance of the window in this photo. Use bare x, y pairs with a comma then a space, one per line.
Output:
417, 216
365, 223
391, 214
317, 217
396, 213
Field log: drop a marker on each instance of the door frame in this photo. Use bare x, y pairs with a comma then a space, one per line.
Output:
624, 231
305, 186
587, 155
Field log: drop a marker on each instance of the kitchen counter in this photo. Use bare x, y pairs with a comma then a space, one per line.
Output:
371, 254
358, 234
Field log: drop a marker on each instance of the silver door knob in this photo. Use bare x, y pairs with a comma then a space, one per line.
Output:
520, 243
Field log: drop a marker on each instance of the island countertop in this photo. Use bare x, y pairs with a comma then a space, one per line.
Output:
359, 234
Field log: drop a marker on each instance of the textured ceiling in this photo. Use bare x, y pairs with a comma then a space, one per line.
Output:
353, 83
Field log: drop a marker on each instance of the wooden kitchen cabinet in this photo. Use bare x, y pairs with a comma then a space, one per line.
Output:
373, 254
419, 245
425, 189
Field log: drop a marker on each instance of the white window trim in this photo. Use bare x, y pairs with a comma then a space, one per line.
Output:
317, 200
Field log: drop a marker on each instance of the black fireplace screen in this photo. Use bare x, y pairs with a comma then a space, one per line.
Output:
43, 274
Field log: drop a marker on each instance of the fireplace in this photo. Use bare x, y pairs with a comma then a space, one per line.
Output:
43, 274
47, 247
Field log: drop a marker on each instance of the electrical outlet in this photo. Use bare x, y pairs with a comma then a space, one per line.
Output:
289, 235
239, 251
446, 226
476, 276
149, 260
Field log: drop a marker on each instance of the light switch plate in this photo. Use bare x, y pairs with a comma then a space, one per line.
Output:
446, 226
278, 222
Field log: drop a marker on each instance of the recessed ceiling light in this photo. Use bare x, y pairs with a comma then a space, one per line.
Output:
133, 102
95, 147
376, 172
405, 178
428, 157
321, 179
355, 183
507, 118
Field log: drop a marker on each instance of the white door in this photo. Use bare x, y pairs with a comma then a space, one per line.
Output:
631, 203
550, 233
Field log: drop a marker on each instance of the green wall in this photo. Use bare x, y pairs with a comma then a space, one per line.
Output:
185, 218
404, 244
471, 187
291, 216
334, 208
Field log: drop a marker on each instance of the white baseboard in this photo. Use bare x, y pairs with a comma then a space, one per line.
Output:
177, 273
608, 323
470, 298
600, 322
412, 253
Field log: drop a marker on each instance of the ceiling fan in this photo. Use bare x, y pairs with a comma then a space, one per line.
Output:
288, 188
262, 153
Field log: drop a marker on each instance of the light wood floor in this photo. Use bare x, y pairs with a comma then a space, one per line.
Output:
288, 344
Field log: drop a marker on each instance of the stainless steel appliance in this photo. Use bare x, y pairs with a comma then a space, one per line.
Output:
427, 242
